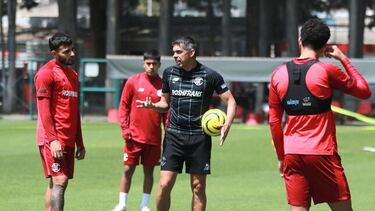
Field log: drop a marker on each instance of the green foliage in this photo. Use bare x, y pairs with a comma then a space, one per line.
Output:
28, 4
244, 171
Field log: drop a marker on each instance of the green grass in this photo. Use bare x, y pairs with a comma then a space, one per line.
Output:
244, 173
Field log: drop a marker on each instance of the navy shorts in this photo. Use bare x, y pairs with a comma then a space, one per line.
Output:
194, 150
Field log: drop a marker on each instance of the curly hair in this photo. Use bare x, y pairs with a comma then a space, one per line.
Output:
314, 34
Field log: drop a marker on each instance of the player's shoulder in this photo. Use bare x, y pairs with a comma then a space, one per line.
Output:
46, 69
169, 69
279, 74
135, 77
207, 70
326, 65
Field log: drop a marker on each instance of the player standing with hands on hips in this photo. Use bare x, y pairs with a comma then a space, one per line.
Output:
141, 128
187, 90
307, 149
59, 125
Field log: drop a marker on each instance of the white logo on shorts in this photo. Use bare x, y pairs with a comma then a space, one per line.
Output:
125, 156
55, 167
163, 161
207, 167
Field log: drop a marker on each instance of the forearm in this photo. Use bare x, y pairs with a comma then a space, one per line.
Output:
160, 106
231, 110
359, 84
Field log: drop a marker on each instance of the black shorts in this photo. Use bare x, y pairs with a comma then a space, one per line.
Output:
194, 150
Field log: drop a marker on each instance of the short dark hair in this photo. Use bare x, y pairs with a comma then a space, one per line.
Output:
187, 43
151, 54
58, 40
314, 34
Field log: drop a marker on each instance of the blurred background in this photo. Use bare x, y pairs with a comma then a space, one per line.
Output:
239, 38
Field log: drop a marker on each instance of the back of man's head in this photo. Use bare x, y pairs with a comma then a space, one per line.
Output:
151, 54
314, 34
58, 40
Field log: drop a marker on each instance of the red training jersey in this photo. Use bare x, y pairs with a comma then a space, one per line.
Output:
311, 134
58, 105
141, 124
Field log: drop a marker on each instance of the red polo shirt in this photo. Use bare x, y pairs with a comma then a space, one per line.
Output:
61, 119
142, 124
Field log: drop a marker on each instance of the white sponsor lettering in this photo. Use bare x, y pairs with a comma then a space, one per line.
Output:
68, 93
141, 89
187, 93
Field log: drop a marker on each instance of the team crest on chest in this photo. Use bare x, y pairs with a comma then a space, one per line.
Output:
198, 81
175, 79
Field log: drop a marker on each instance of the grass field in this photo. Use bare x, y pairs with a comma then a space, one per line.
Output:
244, 174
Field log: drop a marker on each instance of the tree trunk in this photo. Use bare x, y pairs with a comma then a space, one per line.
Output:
10, 93
98, 27
226, 28
356, 27
3, 78
252, 29
264, 44
67, 17
292, 27
165, 19
112, 42
211, 34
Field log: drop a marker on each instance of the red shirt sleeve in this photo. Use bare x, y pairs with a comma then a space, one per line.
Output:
351, 82
46, 118
44, 84
275, 119
125, 107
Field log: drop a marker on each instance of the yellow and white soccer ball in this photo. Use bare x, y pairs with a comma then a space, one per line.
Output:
211, 119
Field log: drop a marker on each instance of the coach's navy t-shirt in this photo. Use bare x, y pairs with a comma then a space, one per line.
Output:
190, 95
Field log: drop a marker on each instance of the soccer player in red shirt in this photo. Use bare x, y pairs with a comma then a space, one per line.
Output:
307, 148
141, 128
59, 126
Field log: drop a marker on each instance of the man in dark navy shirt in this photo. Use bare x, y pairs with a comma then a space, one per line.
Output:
187, 90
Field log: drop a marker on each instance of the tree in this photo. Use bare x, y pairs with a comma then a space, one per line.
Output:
9, 97
226, 28
165, 23
28, 4
210, 23
67, 17
98, 27
252, 27
264, 28
292, 27
357, 13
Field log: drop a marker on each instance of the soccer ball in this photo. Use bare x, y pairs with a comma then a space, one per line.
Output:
211, 119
